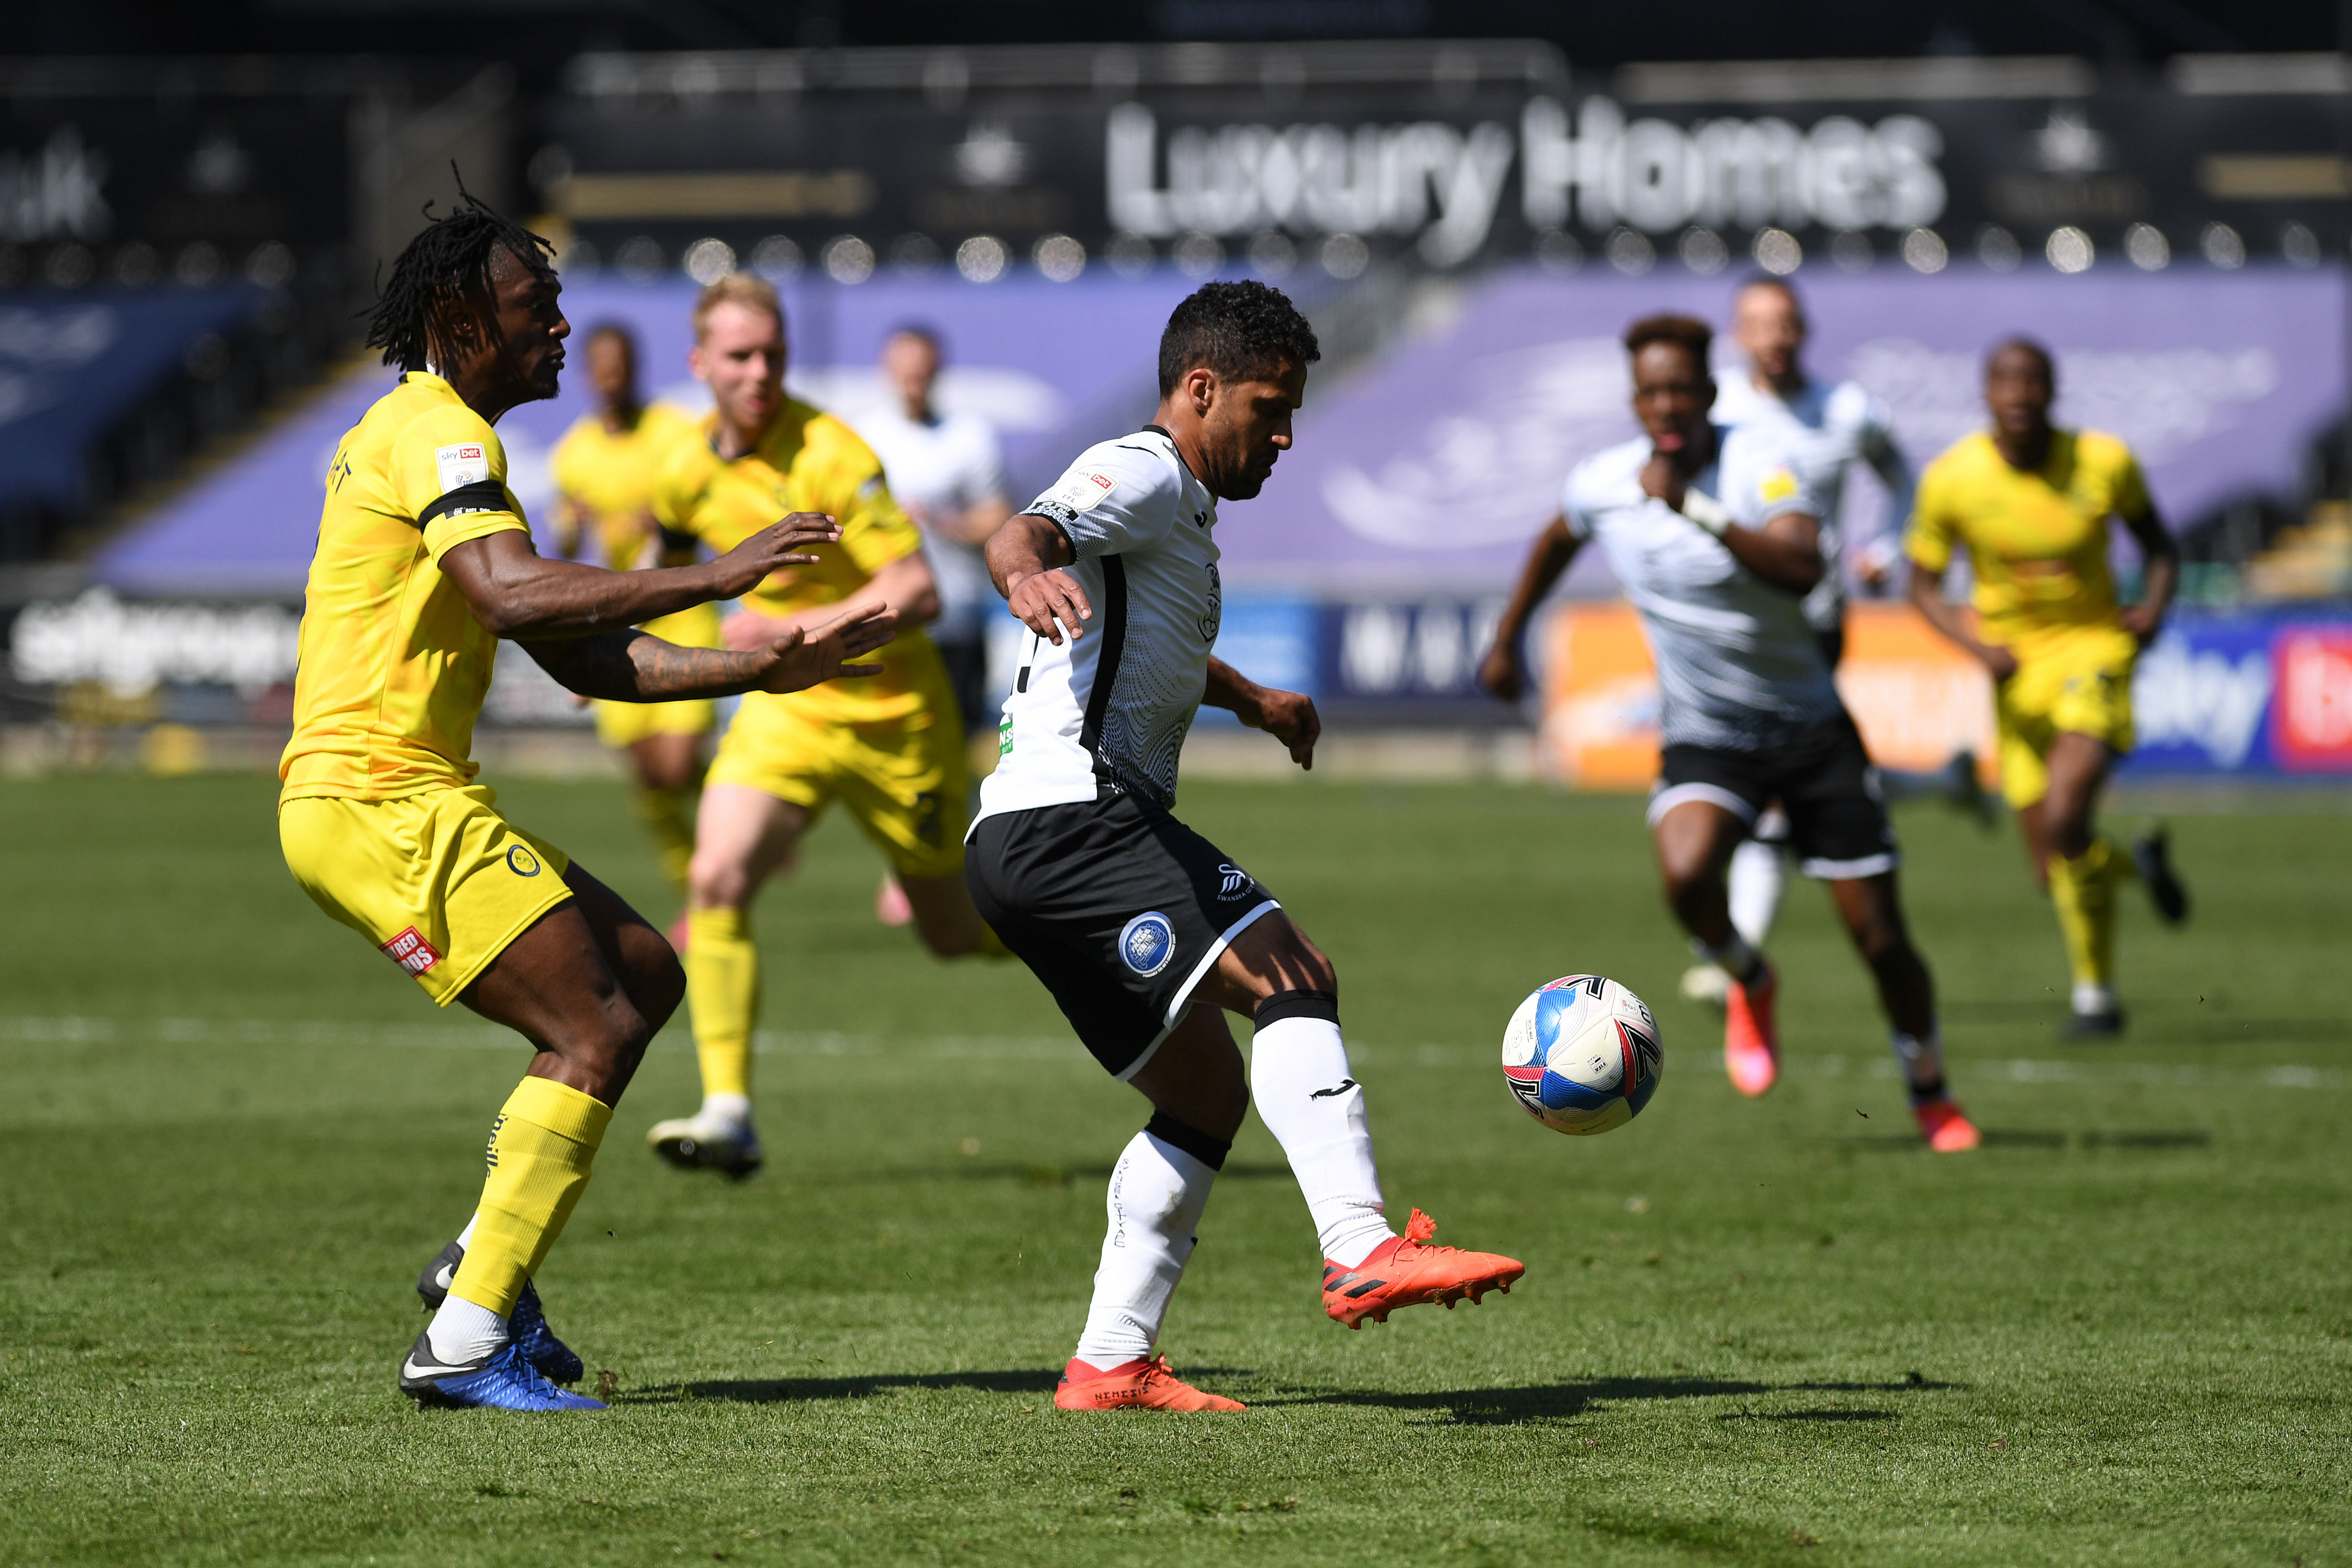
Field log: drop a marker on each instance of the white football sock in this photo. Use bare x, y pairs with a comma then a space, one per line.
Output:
465, 1236
1757, 878
462, 1332
1315, 1108
1157, 1193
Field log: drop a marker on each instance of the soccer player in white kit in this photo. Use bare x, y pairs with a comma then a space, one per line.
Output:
1825, 429
1715, 536
946, 471
1145, 932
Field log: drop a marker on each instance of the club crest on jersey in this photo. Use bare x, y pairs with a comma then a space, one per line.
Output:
411, 952
464, 463
521, 861
1232, 881
1147, 943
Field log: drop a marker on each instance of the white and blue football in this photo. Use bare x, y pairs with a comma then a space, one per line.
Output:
1582, 1055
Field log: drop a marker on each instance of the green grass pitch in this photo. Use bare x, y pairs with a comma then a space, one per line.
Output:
1749, 1332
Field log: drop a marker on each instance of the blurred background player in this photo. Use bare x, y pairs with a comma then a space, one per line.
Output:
891, 750
1712, 534
423, 562
1824, 428
2031, 503
946, 473
604, 469
1144, 931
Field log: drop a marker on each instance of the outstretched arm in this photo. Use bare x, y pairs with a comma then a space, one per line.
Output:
637, 667
1287, 716
903, 589
1504, 671
2160, 575
518, 593
1025, 558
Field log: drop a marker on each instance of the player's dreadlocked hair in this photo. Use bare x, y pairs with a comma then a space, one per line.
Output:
1241, 331
444, 272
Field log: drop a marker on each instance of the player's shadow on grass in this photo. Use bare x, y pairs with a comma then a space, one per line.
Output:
1564, 1401
1034, 1176
786, 1390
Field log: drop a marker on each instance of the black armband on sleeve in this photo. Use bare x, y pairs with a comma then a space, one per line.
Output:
482, 495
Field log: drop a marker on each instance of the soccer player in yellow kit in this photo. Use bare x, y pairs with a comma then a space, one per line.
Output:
423, 562
891, 751
605, 469
2031, 503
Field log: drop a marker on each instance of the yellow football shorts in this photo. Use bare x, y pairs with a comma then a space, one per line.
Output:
623, 724
2078, 680
438, 881
906, 780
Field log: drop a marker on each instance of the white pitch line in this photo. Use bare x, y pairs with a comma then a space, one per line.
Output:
81, 1031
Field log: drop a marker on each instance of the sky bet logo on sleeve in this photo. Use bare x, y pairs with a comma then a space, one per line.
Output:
464, 463
1147, 943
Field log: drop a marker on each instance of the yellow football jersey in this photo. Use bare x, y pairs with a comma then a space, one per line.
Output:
808, 462
2037, 542
609, 478
393, 662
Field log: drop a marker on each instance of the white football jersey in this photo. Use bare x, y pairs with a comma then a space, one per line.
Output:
1826, 429
950, 463
1738, 667
1112, 707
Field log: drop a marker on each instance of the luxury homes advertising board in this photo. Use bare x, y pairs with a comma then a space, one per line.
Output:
1484, 164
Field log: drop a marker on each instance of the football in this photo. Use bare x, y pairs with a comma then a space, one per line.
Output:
1582, 1055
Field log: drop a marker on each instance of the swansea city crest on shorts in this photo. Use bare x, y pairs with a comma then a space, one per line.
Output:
1147, 942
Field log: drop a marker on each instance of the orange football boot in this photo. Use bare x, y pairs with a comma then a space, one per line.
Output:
1404, 1272
1752, 1046
1137, 1384
1946, 1126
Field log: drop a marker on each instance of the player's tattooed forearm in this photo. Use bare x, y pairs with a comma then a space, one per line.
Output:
637, 667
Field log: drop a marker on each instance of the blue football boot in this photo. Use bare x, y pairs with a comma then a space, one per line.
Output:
556, 1361
499, 1381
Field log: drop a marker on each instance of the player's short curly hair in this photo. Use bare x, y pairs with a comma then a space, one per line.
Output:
2019, 343
1241, 331
444, 274
1688, 334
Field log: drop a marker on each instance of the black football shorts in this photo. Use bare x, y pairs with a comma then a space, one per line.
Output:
1118, 907
1823, 780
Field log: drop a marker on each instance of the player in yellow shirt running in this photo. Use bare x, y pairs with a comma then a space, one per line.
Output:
605, 469
2031, 504
891, 751
423, 562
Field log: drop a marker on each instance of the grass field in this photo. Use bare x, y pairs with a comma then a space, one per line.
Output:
1751, 1332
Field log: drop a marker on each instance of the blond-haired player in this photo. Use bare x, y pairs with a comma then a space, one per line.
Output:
2030, 502
605, 469
423, 562
891, 752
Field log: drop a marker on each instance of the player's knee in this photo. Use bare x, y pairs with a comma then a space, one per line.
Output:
716, 881
656, 986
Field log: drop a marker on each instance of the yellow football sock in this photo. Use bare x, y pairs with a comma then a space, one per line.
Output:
2083, 890
722, 989
542, 1147
991, 944
668, 819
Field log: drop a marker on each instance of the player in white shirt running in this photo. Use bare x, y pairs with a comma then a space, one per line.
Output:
1715, 536
1827, 428
946, 473
1145, 932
